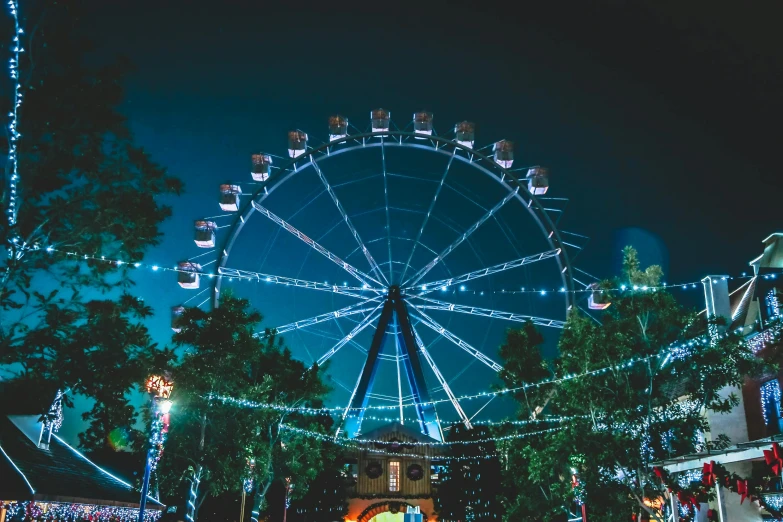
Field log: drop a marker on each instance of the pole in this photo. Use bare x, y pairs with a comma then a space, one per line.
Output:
584, 512
145, 486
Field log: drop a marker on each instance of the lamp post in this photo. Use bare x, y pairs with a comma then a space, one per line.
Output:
160, 390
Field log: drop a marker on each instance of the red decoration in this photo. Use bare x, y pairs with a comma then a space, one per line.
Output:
774, 459
742, 489
708, 474
712, 515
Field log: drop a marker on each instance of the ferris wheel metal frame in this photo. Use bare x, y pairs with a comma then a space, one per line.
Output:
383, 302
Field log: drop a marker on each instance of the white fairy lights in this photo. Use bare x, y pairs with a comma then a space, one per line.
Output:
13, 126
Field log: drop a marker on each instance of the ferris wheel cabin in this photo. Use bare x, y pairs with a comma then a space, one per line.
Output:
229, 197
538, 180
379, 120
176, 318
338, 127
188, 274
297, 143
465, 133
598, 300
422, 123
504, 153
261, 166
204, 233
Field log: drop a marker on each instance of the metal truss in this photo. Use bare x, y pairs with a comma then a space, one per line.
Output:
386, 200
367, 254
299, 283
444, 384
355, 272
329, 316
486, 312
430, 323
364, 323
502, 267
421, 273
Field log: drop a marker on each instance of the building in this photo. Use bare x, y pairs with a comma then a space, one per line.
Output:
391, 474
43, 477
754, 309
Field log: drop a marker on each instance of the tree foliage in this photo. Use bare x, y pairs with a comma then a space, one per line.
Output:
86, 188
624, 419
217, 441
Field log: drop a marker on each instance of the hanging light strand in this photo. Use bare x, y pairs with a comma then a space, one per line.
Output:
13, 126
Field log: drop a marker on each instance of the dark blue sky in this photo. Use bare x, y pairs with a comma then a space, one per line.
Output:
660, 121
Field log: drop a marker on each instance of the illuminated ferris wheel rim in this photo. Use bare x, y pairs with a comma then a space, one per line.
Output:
439, 144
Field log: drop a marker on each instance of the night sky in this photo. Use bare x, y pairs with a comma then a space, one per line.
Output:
659, 120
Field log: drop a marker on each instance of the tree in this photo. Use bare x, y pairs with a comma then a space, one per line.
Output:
470, 482
86, 189
623, 419
223, 445
326, 498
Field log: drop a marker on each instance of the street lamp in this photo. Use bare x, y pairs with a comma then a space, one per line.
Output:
160, 389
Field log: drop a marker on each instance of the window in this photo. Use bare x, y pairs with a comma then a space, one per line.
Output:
394, 475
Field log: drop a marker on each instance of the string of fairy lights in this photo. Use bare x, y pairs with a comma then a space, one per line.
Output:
155, 267
13, 126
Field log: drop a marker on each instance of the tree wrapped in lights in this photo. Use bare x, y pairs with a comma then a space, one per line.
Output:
212, 443
81, 185
470, 482
633, 416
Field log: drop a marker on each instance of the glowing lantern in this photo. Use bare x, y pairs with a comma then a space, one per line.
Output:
158, 386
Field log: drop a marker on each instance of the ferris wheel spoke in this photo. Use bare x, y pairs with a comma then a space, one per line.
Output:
436, 304
354, 232
298, 283
426, 288
491, 212
364, 323
386, 200
357, 308
444, 384
431, 324
427, 215
355, 272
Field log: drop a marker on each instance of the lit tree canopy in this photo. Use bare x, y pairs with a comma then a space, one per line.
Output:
626, 418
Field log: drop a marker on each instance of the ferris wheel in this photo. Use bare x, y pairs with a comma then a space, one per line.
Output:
399, 256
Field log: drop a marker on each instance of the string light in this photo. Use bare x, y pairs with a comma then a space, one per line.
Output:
770, 398
76, 512
555, 380
355, 442
13, 126
551, 419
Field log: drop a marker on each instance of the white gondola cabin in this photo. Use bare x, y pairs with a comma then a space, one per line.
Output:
379, 120
538, 180
598, 300
188, 274
422, 123
465, 133
229, 197
204, 233
297, 143
176, 318
338, 127
504, 153
261, 165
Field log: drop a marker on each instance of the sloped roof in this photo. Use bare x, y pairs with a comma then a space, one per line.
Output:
57, 474
740, 301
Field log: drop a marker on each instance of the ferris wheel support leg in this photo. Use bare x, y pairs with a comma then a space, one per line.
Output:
354, 413
428, 416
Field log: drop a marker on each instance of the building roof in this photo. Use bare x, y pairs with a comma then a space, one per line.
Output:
58, 473
385, 431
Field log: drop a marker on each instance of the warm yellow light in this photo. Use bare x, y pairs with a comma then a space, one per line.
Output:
159, 386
